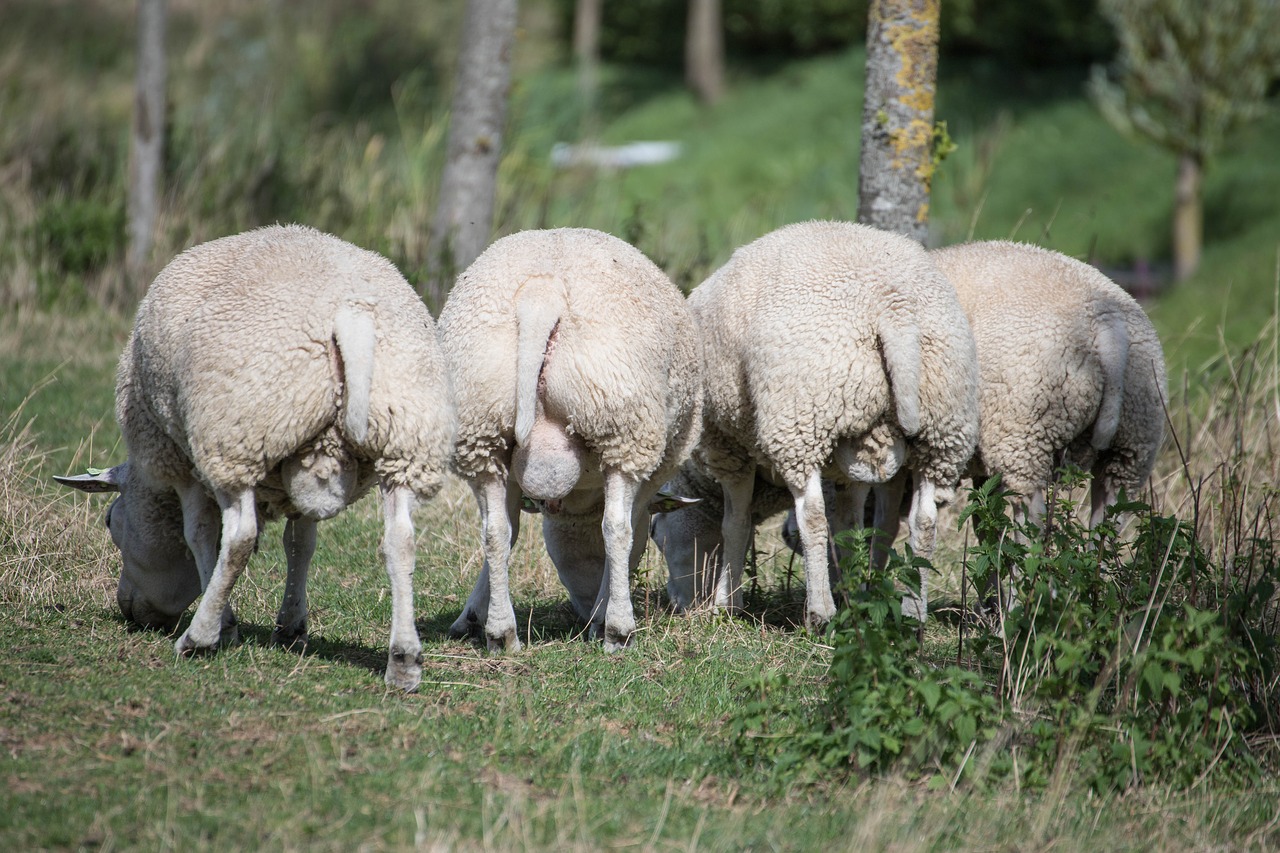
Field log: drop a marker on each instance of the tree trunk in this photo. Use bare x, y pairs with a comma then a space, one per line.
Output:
897, 116
146, 153
704, 50
586, 52
463, 221
1188, 217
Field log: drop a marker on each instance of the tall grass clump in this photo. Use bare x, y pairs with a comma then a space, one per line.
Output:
41, 538
1143, 651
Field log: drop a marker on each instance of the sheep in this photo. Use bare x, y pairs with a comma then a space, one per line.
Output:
691, 542
578, 382
831, 350
281, 371
1071, 370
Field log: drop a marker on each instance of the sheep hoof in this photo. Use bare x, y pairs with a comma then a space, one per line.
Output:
615, 639
507, 642
187, 646
815, 619
466, 626
404, 670
290, 635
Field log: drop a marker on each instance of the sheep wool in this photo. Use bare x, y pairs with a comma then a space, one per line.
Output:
828, 346
277, 372
577, 376
1070, 365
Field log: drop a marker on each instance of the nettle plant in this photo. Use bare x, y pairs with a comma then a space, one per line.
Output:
1120, 660
883, 704
1123, 659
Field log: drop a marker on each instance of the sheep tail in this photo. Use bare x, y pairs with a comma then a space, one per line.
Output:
900, 343
540, 302
353, 332
1111, 342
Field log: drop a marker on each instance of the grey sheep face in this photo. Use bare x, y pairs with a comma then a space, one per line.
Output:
158, 575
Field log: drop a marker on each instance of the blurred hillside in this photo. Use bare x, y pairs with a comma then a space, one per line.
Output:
334, 114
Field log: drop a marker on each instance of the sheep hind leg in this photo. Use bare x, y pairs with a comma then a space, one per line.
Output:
811, 516
404, 649
486, 613
614, 617
239, 536
299, 547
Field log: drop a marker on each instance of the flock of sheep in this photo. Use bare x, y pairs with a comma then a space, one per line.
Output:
285, 372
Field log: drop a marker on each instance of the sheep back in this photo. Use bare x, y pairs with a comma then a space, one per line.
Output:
793, 328
1045, 326
232, 366
623, 370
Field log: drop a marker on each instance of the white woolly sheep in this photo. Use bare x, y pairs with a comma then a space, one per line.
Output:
277, 372
576, 369
831, 350
1071, 370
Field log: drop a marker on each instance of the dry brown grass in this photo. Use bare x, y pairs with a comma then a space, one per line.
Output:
52, 553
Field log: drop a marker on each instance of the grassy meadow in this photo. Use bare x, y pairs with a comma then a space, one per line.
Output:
109, 742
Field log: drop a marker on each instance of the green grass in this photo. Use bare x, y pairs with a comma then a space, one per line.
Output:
106, 740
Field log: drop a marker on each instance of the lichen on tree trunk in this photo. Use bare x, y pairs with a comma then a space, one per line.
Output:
896, 166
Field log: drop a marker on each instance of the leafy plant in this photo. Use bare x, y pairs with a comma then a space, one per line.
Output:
884, 704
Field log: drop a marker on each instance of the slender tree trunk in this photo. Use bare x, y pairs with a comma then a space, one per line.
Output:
586, 53
463, 221
1188, 217
146, 153
704, 50
897, 116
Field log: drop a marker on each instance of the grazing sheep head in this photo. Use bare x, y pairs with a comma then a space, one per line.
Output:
158, 577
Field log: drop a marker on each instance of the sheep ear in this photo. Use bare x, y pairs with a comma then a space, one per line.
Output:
666, 502
97, 480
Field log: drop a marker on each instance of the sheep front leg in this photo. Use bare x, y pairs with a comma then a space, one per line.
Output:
922, 529
239, 535
888, 517
1103, 492
614, 618
489, 607
735, 532
404, 653
811, 516
299, 547
201, 526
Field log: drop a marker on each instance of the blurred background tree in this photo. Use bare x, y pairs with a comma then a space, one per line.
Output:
1189, 73
704, 50
146, 150
463, 224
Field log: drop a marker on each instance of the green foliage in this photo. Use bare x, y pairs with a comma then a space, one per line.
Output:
884, 706
1119, 663
1030, 33
1130, 661
1189, 72
80, 235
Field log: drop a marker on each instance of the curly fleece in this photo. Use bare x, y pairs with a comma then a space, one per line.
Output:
624, 376
794, 360
232, 366
1041, 320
